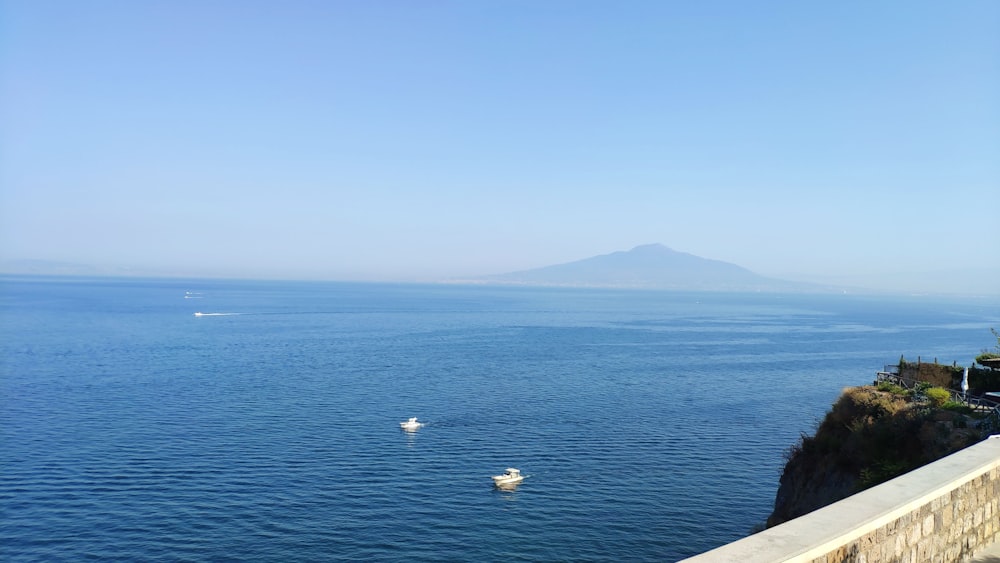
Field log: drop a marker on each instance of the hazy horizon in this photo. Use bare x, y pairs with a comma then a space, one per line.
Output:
848, 143
975, 283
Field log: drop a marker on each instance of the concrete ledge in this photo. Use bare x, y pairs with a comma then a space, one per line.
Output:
944, 511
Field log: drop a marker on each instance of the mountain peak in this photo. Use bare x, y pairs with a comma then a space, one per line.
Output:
654, 247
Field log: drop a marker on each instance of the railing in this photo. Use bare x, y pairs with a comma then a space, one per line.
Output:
975, 401
990, 424
891, 375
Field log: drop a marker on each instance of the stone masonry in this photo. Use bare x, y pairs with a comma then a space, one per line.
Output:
944, 512
951, 527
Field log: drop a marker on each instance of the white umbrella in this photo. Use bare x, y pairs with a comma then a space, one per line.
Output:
965, 381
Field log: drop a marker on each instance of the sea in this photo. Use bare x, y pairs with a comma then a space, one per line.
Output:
651, 425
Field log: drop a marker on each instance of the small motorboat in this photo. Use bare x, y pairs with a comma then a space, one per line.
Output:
511, 477
411, 424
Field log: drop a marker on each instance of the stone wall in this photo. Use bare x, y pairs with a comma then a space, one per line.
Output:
949, 377
946, 511
951, 527
981, 379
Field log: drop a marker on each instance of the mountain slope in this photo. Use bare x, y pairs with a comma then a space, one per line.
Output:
647, 266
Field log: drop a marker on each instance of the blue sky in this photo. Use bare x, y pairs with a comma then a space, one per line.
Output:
403, 140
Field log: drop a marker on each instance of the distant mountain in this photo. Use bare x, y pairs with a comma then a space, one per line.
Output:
47, 268
650, 266
55, 268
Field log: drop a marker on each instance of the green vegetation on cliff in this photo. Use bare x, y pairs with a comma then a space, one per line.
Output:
990, 356
871, 435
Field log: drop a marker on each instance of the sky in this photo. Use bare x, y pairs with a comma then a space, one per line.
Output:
409, 140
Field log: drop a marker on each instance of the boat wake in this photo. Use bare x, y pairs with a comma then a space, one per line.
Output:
200, 314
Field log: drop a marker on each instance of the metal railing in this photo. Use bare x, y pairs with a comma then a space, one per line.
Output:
909, 383
990, 424
891, 375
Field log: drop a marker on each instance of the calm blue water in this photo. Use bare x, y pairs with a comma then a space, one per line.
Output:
652, 424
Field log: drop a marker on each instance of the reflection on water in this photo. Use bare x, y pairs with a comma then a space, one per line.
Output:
411, 438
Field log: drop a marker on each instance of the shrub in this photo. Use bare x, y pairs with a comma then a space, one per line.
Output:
960, 408
881, 471
986, 356
938, 396
891, 388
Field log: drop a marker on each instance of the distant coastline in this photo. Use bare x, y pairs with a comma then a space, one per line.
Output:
646, 267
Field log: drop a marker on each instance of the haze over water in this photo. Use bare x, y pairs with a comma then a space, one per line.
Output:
651, 424
844, 143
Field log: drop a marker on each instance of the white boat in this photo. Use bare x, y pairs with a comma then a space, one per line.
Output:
411, 425
511, 477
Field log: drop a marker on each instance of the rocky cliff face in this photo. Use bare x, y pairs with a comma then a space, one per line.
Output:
868, 437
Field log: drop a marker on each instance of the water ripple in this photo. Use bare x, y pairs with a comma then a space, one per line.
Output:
651, 427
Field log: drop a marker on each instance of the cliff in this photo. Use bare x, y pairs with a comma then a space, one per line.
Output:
871, 434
